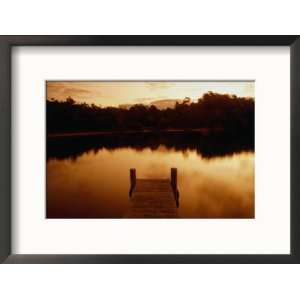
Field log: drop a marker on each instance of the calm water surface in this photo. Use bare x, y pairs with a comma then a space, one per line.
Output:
93, 182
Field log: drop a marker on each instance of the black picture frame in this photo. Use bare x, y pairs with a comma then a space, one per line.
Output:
6, 45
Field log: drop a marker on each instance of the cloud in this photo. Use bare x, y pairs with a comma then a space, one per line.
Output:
144, 99
78, 92
64, 90
75, 90
158, 85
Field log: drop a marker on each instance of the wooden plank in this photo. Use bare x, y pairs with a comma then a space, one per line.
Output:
152, 198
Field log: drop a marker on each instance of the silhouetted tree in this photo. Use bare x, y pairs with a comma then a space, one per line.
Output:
213, 111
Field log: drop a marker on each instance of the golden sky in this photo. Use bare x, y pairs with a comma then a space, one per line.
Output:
114, 93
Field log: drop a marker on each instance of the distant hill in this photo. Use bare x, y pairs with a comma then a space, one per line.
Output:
165, 103
159, 104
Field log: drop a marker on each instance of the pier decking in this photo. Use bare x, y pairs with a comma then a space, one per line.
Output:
153, 198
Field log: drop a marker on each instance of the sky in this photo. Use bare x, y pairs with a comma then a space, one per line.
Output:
115, 93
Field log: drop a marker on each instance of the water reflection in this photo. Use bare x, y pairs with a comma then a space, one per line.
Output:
206, 146
89, 177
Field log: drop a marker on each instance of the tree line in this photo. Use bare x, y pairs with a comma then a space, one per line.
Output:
212, 111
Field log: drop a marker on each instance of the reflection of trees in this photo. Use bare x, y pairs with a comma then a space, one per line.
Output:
207, 146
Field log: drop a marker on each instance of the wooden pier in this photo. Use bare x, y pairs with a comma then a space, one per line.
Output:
153, 198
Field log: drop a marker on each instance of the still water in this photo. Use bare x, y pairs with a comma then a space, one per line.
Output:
88, 179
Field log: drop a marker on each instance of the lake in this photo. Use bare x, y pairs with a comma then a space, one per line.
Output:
88, 177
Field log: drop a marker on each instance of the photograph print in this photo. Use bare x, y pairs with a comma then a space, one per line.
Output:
150, 149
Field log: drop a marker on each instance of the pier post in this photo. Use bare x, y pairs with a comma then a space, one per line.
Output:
174, 185
174, 178
132, 180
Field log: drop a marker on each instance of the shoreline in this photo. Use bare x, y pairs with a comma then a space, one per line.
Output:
203, 131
